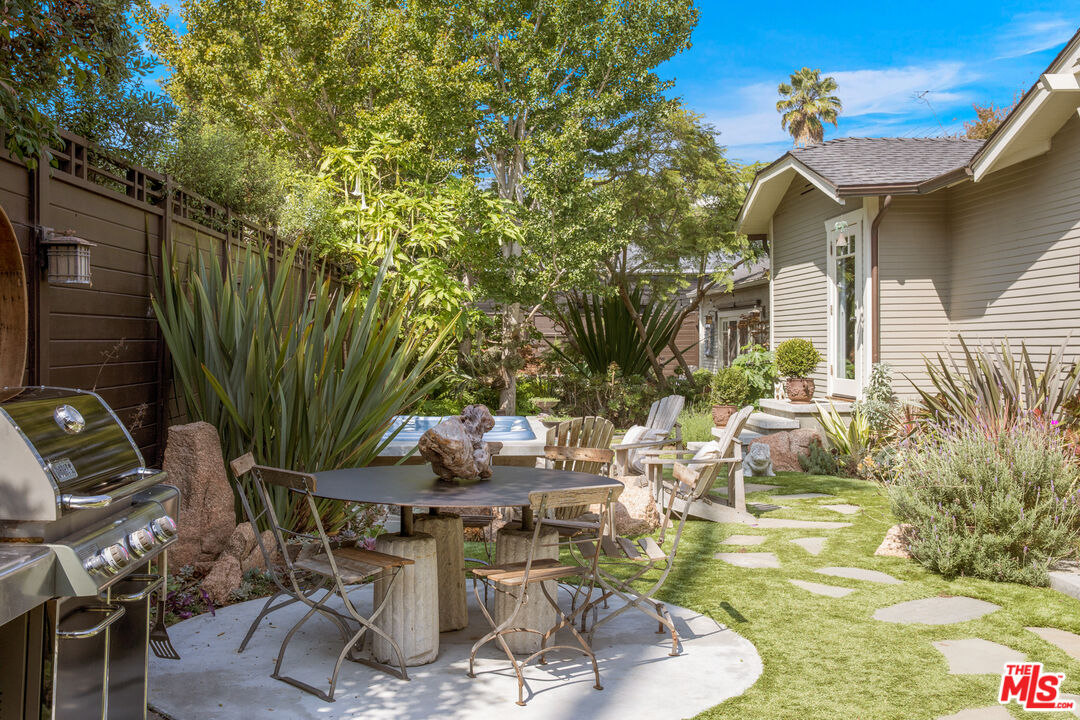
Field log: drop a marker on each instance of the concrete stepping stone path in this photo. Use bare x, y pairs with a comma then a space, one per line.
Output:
843, 508
812, 545
750, 560
757, 487
743, 540
799, 496
975, 656
822, 589
859, 574
784, 523
994, 712
1067, 641
936, 611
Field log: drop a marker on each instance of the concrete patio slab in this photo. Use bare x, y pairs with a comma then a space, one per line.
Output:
935, 611
212, 682
743, 540
1067, 641
800, 496
751, 560
784, 523
843, 508
975, 656
812, 545
859, 574
993, 712
822, 589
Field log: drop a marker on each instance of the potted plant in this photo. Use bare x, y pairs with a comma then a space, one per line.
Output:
795, 360
730, 389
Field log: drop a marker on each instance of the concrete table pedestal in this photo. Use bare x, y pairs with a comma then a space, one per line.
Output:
411, 616
449, 536
512, 546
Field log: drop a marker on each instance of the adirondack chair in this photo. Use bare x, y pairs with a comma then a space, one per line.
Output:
663, 422
699, 473
581, 445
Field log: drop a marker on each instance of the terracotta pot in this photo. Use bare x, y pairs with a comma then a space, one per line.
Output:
722, 413
800, 390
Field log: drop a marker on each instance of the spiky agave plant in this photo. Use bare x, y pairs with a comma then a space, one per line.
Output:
307, 378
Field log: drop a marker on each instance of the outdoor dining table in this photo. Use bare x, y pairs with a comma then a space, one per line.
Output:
431, 597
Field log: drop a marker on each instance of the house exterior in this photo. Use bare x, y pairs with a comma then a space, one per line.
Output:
729, 320
890, 249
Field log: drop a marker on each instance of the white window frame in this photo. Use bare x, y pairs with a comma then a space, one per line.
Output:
836, 385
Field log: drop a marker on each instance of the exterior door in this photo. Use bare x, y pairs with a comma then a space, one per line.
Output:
847, 280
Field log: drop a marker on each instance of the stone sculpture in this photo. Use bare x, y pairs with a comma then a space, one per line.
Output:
456, 448
759, 461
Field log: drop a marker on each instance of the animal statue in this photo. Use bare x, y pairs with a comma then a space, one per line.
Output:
456, 448
759, 461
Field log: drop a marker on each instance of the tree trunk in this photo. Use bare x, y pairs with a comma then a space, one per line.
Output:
678, 355
507, 359
644, 337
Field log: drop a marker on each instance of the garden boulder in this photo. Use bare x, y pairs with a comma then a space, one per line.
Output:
635, 511
206, 519
786, 446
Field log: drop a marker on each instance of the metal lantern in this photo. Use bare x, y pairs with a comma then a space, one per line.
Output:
67, 259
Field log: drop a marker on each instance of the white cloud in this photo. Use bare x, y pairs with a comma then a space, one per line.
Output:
1034, 32
892, 91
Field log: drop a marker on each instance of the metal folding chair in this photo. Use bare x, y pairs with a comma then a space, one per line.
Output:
336, 569
517, 579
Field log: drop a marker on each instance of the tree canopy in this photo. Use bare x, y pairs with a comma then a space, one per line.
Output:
806, 103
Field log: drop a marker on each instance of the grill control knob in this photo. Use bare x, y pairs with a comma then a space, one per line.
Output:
141, 541
163, 528
112, 559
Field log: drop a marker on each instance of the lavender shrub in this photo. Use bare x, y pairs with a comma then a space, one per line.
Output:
995, 506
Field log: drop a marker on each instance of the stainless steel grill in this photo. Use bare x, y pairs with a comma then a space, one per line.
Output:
82, 523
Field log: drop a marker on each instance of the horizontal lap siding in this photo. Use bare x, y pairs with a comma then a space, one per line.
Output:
913, 262
800, 291
1016, 251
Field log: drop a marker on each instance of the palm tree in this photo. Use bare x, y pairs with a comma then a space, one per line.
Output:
805, 104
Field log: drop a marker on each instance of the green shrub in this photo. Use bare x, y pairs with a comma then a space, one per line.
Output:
878, 405
759, 364
696, 425
993, 506
796, 358
818, 460
848, 437
730, 387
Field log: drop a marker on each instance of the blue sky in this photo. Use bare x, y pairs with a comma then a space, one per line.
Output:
883, 55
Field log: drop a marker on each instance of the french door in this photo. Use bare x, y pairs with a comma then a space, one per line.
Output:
847, 282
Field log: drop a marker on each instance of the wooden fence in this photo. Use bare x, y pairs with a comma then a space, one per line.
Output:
106, 337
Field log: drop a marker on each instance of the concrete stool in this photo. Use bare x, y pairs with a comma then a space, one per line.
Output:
512, 546
411, 616
449, 536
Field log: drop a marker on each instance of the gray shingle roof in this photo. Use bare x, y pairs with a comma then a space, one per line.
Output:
854, 162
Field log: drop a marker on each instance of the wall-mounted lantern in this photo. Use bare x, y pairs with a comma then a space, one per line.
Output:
841, 238
67, 258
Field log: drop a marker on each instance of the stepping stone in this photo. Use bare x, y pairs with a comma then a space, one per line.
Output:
993, 712
800, 496
821, 589
754, 560
1064, 639
812, 545
859, 574
768, 523
758, 487
843, 508
975, 656
935, 611
764, 507
744, 540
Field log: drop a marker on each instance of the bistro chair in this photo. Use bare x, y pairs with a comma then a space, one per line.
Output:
337, 569
520, 578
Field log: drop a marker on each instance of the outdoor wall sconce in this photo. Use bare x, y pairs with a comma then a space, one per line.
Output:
67, 258
841, 238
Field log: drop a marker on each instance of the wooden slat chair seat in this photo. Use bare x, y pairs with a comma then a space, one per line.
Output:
338, 570
514, 579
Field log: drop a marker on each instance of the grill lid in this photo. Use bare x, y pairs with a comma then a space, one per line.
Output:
60, 441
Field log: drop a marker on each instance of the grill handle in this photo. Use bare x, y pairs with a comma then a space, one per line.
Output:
144, 478
153, 584
112, 614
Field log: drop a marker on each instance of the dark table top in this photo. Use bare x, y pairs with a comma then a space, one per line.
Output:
418, 485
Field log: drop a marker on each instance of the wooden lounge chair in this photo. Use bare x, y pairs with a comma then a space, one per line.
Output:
700, 471
663, 423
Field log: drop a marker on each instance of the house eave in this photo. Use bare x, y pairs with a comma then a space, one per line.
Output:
768, 190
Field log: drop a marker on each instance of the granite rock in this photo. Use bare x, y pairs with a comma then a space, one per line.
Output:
225, 576
786, 446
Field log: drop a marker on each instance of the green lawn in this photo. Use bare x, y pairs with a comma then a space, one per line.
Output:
828, 658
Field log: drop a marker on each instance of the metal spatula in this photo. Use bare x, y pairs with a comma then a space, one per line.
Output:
159, 636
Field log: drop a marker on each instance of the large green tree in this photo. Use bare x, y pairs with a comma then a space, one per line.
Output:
806, 103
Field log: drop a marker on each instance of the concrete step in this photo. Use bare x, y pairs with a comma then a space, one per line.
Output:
1065, 578
766, 423
748, 436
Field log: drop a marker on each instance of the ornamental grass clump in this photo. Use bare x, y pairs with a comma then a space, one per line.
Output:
994, 506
